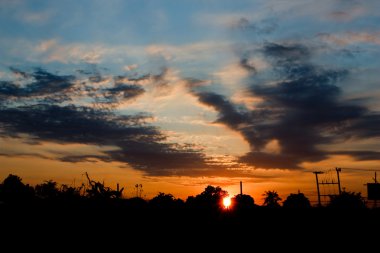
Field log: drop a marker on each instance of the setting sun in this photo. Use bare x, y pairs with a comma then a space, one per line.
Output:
227, 202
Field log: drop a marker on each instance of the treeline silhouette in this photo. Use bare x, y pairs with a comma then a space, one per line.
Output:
14, 192
100, 211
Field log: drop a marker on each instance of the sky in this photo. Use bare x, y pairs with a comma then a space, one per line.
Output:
178, 95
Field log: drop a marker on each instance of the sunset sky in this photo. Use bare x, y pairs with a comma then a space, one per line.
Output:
177, 95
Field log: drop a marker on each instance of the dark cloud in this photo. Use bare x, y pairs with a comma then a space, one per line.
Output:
125, 91
266, 160
244, 63
18, 154
366, 126
75, 124
133, 141
283, 53
117, 93
302, 109
85, 158
137, 143
40, 86
360, 155
228, 113
265, 26
40, 83
20, 73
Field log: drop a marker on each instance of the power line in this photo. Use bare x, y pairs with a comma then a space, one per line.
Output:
357, 169
354, 169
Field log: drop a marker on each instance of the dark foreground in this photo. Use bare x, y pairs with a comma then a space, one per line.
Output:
189, 228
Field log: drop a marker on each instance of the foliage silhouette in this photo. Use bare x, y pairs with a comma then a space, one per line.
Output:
271, 199
243, 202
69, 192
99, 191
347, 200
296, 200
136, 203
210, 198
47, 190
13, 190
166, 201
102, 216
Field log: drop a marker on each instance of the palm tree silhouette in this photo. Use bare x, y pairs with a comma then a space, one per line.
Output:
271, 199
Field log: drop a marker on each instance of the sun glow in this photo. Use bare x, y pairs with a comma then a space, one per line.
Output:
227, 202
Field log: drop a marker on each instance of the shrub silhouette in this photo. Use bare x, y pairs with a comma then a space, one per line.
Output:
97, 190
14, 190
243, 202
297, 200
47, 190
163, 200
69, 192
347, 200
136, 203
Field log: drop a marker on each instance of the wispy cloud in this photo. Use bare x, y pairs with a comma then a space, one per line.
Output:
51, 50
349, 38
39, 18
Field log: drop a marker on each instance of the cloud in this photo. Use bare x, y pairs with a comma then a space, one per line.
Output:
300, 110
292, 52
39, 18
53, 51
129, 137
231, 76
347, 11
361, 155
188, 52
268, 160
228, 114
130, 67
138, 144
41, 84
265, 26
222, 20
123, 90
349, 38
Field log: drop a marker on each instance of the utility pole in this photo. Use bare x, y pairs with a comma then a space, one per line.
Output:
316, 178
375, 201
241, 188
337, 173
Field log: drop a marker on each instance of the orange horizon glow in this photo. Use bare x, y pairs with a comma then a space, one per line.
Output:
35, 170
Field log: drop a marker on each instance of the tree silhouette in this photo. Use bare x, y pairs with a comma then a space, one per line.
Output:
211, 197
163, 200
136, 203
69, 192
347, 200
47, 190
271, 199
297, 200
14, 190
243, 202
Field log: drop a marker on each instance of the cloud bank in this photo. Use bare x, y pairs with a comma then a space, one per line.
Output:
70, 109
301, 108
